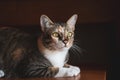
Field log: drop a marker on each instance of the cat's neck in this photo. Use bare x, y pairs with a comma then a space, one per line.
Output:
56, 57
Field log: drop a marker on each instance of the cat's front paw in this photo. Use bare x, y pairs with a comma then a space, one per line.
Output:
1, 73
73, 71
68, 72
75, 68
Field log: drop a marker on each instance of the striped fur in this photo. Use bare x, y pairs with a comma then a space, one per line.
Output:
19, 55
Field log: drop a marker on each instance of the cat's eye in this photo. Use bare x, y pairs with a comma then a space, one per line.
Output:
70, 34
55, 34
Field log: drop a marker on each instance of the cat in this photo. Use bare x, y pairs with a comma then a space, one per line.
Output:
23, 55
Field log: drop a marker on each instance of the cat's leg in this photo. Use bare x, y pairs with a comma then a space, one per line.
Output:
41, 72
54, 70
1, 73
68, 72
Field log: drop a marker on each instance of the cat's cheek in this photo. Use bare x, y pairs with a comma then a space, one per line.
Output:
69, 44
54, 40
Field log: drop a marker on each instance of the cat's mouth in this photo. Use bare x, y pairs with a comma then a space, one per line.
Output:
64, 46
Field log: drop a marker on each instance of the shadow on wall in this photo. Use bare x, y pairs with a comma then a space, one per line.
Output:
97, 42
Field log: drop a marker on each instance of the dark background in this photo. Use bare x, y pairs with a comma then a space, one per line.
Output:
97, 28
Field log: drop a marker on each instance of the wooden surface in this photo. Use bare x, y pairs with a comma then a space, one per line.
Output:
86, 74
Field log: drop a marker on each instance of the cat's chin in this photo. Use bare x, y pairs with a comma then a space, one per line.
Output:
64, 48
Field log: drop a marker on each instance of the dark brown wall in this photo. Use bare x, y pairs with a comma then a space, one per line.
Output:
27, 12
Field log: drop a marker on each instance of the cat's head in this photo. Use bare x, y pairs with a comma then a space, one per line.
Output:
57, 36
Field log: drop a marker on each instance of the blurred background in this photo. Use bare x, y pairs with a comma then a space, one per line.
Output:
97, 28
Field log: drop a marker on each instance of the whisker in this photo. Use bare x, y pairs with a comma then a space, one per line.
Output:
76, 41
76, 51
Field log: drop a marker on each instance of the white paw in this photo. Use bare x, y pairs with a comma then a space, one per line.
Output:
76, 68
73, 71
68, 72
1, 73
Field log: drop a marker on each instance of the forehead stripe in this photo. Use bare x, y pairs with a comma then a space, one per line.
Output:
60, 29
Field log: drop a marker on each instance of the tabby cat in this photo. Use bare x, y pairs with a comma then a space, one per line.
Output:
23, 55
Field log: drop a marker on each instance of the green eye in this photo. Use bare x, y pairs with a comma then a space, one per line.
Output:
70, 34
55, 34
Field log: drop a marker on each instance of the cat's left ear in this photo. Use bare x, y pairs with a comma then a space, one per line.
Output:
72, 21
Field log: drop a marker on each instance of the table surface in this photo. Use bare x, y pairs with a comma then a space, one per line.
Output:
86, 74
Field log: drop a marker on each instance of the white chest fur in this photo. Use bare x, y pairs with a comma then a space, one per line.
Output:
56, 58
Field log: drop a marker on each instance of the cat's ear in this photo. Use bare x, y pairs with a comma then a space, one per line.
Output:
72, 21
45, 22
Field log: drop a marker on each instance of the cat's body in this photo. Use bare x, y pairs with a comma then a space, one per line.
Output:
24, 55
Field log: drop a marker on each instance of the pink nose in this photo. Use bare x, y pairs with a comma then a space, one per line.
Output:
65, 41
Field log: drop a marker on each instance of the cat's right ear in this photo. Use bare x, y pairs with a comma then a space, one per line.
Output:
45, 22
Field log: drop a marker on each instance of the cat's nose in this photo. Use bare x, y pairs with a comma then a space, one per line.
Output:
65, 41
